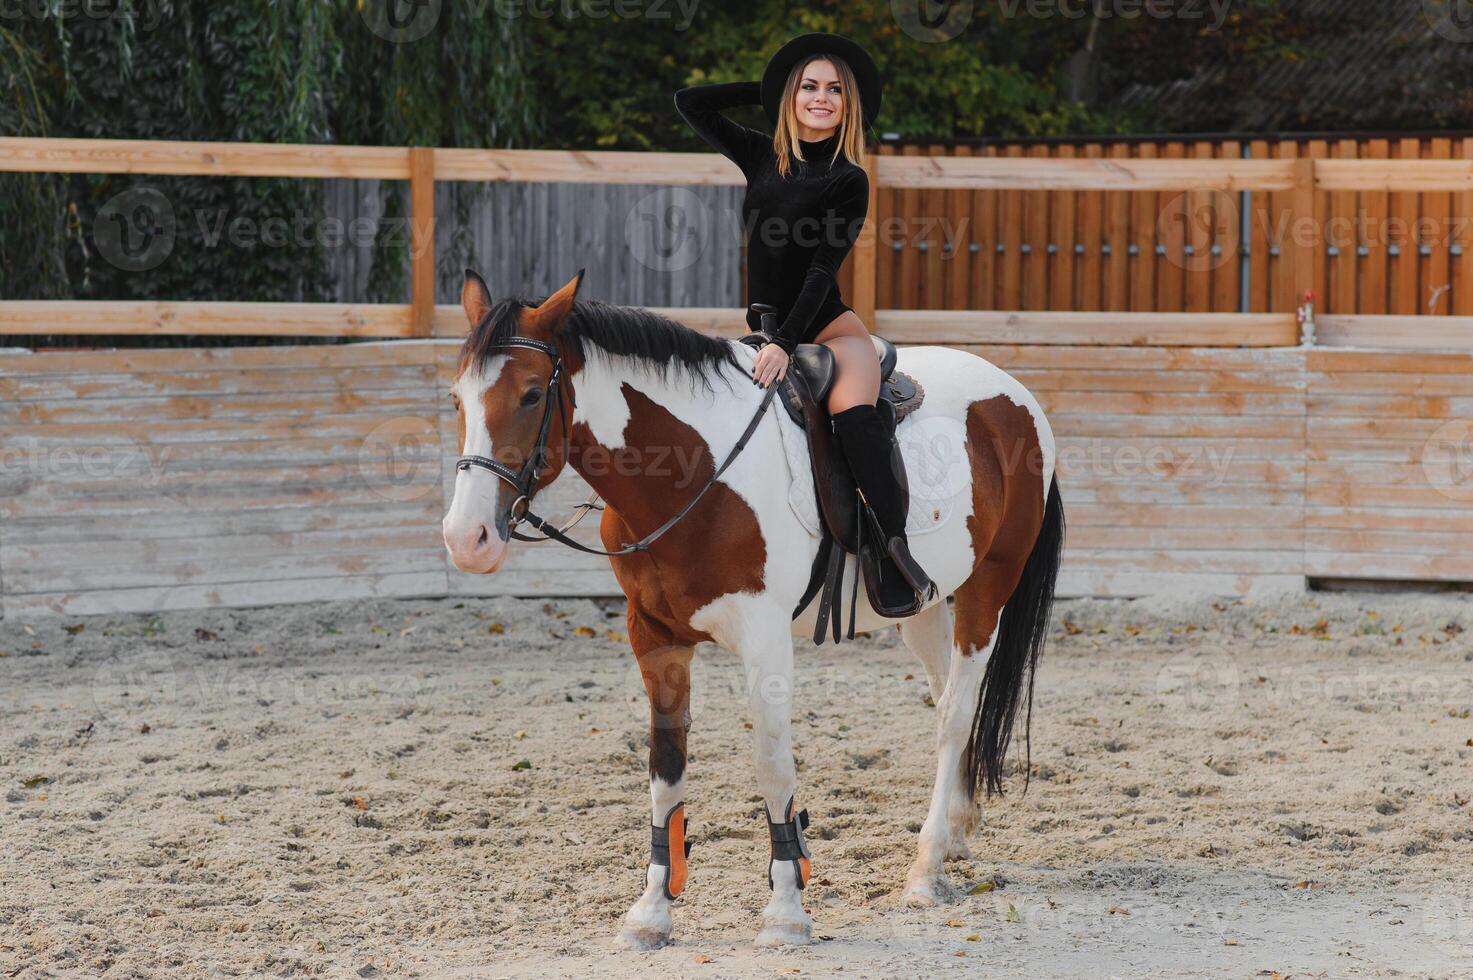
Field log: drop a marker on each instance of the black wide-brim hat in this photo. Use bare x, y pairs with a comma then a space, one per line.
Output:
775, 75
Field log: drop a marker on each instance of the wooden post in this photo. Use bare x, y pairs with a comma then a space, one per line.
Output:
865, 255
422, 240
1304, 234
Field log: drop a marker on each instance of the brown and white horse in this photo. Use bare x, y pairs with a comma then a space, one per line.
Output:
644, 410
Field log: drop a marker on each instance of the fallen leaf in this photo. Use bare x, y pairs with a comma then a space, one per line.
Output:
910, 677
1230, 942
616, 637
496, 629
378, 629
702, 958
1013, 915
982, 888
1071, 629
520, 733
74, 630
35, 781
1117, 910
974, 937
584, 631
955, 923
359, 803
523, 764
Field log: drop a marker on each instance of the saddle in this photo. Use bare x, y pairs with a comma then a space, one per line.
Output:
804, 394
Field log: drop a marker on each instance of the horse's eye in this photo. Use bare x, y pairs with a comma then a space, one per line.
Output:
532, 397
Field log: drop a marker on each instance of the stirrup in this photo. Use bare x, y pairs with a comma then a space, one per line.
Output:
788, 844
915, 576
669, 848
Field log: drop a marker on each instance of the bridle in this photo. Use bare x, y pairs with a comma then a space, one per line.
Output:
524, 481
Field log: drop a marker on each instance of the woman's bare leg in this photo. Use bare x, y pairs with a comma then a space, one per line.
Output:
858, 382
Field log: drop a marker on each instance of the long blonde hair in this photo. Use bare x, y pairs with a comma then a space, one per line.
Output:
851, 120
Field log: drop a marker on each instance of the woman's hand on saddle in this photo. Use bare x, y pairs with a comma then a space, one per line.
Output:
772, 364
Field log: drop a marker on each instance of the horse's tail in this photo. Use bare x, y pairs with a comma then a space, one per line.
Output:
1021, 631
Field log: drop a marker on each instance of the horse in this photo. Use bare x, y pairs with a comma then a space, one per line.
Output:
642, 407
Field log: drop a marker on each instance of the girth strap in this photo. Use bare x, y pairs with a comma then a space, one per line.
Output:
788, 845
670, 841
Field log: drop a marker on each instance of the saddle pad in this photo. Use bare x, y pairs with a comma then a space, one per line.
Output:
933, 494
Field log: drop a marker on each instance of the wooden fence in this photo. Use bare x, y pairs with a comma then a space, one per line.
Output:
1395, 246
1205, 450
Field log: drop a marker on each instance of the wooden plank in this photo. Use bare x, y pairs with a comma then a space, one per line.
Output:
1405, 213
1372, 233
1141, 174
1462, 271
170, 157
1035, 238
1010, 275
1171, 237
1260, 219
159, 318
1106, 328
1436, 236
1143, 232
886, 259
1406, 174
1225, 232
983, 262
1116, 235
1059, 248
191, 360
1090, 211
908, 287
586, 167
959, 233
422, 240
931, 234
1343, 269
1397, 332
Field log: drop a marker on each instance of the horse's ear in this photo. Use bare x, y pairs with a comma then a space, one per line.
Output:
475, 297
555, 309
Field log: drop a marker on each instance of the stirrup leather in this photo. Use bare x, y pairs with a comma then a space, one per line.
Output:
788, 844
669, 848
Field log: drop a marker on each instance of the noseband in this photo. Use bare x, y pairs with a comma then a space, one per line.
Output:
524, 481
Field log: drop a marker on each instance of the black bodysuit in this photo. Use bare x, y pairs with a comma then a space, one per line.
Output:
797, 230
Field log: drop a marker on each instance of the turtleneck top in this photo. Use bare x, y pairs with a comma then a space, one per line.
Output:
797, 229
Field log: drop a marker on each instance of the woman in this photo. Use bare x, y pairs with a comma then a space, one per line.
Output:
806, 200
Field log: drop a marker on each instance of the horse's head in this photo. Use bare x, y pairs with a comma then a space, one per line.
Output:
512, 399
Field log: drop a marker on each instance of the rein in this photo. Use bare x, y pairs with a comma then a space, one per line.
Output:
524, 481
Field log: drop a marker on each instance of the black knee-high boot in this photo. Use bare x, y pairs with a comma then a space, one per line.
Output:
867, 445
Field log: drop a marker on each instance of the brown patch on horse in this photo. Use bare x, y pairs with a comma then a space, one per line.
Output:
665, 670
668, 584
1007, 510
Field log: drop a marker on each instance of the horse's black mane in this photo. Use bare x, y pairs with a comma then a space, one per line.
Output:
627, 331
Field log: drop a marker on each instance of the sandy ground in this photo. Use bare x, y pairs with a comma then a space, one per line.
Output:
452, 788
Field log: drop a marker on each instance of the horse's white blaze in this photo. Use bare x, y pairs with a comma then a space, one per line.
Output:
474, 501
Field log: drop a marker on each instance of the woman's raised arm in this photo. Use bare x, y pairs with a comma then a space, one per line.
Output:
701, 106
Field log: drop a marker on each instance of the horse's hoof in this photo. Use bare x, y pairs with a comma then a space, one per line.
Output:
785, 934
958, 850
932, 890
643, 938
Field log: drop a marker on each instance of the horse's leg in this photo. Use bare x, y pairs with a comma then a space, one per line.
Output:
765, 644
928, 636
665, 668
979, 603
